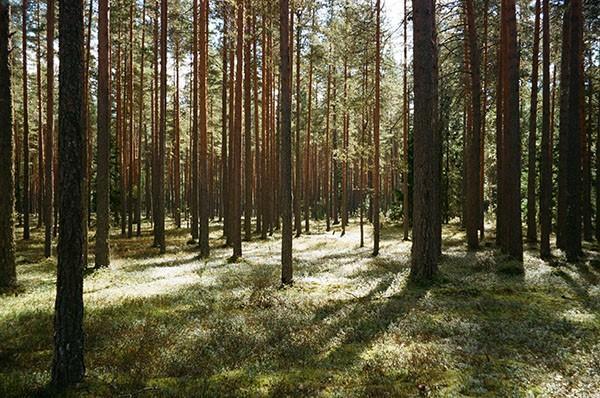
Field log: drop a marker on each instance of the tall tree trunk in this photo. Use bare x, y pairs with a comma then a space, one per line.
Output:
49, 136
298, 180
194, 133
224, 119
141, 125
236, 233
8, 275
473, 208
307, 176
561, 223
40, 127
68, 367
511, 153
532, 172
203, 232
572, 238
425, 252
248, 170
26, 169
327, 173
286, 145
102, 252
376, 184
405, 100
546, 166
159, 222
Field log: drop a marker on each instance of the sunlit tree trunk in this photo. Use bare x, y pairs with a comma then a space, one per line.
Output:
425, 252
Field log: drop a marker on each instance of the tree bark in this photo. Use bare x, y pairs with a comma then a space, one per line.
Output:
203, 232
286, 145
68, 365
236, 233
473, 205
49, 136
103, 173
532, 172
546, 166
511, 153
425, 252
26, 168
8, 275
376, 183
572, 237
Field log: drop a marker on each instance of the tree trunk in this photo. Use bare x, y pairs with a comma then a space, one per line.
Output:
286, 145
511, 153
248, 170
473, 205
546, 166
425, 252
203, 232
103, 173
26, 169
405, 100
159, 222
298, 149
68, 366
8, 275
236, 233
572, 237
561, 222
531, 173
376, 184
49, 137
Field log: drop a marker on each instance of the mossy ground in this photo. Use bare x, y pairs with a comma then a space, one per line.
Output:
352, 325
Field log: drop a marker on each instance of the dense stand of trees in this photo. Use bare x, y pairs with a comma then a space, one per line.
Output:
258, 118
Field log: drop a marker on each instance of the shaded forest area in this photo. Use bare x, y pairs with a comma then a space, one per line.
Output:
299, 198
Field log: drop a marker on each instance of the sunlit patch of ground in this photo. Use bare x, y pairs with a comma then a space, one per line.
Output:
352, 325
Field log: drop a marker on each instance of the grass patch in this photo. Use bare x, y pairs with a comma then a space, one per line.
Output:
352, 325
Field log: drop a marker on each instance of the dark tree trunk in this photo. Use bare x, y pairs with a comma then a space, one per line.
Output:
286, 145
511, 152
546, 166
49, 137
561, 224
68, 366
572, 237
159, 219
8, 276
405, 100
473, 205
236, 233
532, 153
376, 183
248, 170
103, 172
425, 251
26, 168
203, 231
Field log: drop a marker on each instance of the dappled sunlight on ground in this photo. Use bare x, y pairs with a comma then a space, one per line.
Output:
352, 325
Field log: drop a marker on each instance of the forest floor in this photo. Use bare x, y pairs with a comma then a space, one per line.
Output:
176, 325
